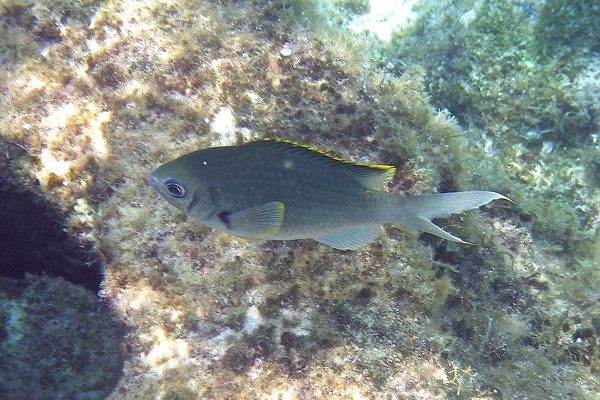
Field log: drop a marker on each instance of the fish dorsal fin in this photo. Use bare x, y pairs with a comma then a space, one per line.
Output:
261, 222
351, 238
371, 176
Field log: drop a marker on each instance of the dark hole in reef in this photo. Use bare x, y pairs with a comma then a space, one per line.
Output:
58, 339
34, 241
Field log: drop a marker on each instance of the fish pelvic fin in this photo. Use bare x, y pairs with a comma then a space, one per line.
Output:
418, 211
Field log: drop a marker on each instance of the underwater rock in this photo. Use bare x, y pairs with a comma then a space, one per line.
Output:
56, 341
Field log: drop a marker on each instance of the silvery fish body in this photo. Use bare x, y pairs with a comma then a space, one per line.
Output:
273, 189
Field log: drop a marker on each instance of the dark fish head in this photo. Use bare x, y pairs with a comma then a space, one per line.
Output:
181, 184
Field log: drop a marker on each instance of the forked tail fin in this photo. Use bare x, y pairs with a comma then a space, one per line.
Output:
418, 211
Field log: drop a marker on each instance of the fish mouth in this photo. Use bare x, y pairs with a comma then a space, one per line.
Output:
152, 180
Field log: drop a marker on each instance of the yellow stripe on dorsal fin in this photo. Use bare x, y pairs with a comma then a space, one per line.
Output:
371, 176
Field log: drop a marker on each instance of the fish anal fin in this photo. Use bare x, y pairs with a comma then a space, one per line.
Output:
350, 238
260, 222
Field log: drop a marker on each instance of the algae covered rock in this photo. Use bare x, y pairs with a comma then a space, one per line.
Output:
103, 93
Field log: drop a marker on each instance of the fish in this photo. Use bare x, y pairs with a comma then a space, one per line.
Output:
271, 189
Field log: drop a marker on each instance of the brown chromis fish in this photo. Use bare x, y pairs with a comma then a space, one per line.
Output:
279, 190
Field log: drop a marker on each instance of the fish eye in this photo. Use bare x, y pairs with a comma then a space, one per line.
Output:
174, 188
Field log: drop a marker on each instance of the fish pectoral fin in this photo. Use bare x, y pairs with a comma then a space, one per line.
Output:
350, 238
260, 222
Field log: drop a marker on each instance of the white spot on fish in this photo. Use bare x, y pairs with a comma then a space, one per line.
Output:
288, 164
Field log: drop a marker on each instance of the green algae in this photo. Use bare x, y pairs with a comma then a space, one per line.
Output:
567, 27
482, 62
506, 69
